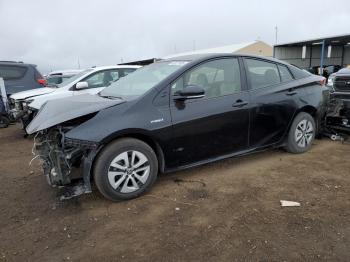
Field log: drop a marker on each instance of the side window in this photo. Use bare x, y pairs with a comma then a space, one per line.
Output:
115, 75
12, 72
262, 73
102, 79
218, 78
127, 71
284, 73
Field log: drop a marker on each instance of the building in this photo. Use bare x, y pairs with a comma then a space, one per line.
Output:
319, 52
251, 48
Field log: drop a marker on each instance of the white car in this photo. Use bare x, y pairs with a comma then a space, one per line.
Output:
55, 78
90, 81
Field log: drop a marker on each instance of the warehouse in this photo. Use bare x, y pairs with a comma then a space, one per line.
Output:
250, 48
314, 53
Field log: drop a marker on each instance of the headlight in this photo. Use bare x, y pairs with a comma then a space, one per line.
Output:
18, 105
26, 103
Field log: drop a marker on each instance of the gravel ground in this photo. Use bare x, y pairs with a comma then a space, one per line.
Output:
225, 211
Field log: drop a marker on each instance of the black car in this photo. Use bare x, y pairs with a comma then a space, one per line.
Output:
176, 114
19, 76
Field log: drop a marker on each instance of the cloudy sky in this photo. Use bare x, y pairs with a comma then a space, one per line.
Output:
56, 34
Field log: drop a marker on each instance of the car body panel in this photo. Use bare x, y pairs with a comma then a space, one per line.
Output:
34, 92
61, 93
54, 113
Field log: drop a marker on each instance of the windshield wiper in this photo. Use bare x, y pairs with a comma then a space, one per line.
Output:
111, 97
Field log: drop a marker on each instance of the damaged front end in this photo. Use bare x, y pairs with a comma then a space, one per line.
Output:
338, 117
65, 162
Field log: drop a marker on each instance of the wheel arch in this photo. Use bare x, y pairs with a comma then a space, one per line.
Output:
142, 135
311, 110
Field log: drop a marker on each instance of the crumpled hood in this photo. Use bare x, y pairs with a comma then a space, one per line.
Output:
57, 111
32, 92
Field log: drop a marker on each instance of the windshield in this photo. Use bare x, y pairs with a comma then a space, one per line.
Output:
142, 80
73, 78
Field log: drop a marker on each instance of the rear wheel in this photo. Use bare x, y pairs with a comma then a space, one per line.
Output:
125, 169
4, 121
301, 134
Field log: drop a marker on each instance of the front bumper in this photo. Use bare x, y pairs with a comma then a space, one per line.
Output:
338, 115
61, 156
20, 110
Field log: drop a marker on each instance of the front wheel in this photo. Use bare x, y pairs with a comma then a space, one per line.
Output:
301, 134
4, 121
125, 169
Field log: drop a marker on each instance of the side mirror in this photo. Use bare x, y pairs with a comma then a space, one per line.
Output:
81, 85
189, 92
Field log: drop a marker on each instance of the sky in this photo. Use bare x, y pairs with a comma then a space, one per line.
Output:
65, 34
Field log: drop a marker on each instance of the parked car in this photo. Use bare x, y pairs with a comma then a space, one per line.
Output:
4, 118
19, 76
338, 116
57, 77
327, 70
176, 114
89, 81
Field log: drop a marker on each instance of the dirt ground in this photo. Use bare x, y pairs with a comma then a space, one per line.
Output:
225, 211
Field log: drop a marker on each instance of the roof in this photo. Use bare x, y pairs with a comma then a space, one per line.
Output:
196, 57
114, 66
16, 63
65, 72
222, 49
333, 40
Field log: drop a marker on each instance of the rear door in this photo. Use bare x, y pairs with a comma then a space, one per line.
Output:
215, 125
274, 101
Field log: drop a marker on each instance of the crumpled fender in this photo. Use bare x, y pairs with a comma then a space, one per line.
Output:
57, 111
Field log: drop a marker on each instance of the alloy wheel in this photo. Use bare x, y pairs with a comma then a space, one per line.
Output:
128, 171
304, 133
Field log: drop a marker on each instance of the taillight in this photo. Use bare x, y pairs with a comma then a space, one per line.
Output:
323, 81
41, 81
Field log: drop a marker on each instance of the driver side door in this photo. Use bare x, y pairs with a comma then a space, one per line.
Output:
212, 126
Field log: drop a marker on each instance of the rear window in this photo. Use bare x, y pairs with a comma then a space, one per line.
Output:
298, 73
12, 72
262, 73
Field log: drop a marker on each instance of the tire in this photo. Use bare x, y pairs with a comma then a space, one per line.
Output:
118, 180
301, 134
4, 121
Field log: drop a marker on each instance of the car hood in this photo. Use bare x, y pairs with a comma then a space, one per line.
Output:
57, 111
32, 92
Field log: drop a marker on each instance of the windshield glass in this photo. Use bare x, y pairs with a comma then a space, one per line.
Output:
73, 78
142, 80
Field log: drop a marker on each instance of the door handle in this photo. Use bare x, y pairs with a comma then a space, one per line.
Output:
240, 103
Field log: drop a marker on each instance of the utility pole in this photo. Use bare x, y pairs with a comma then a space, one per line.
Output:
276, 34
194, 45
78, 63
